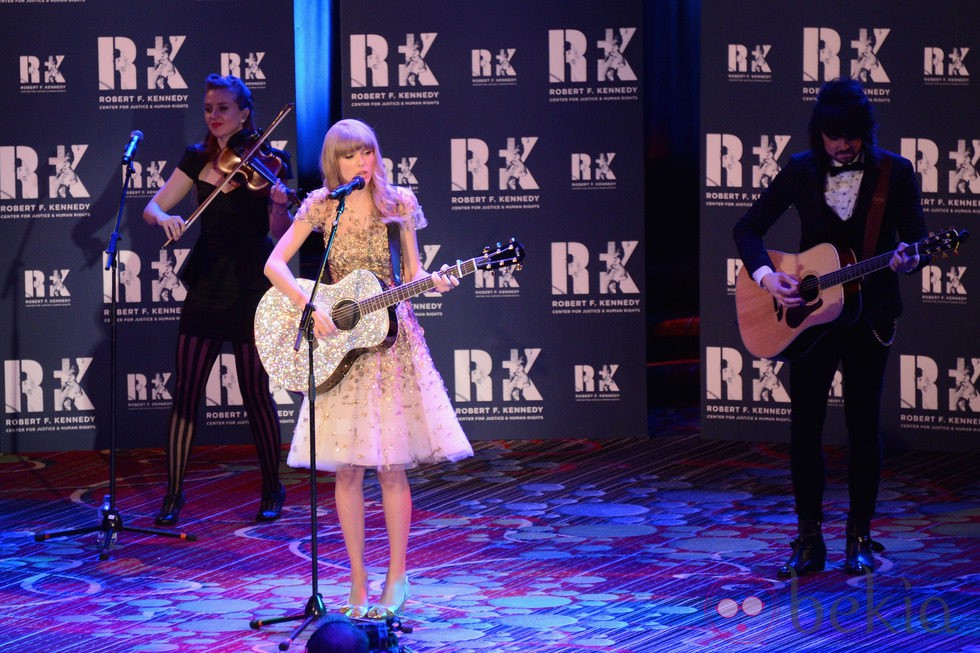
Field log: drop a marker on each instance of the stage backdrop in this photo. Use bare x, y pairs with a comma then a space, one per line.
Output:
529, 128
761, 71
81, 77
525, 120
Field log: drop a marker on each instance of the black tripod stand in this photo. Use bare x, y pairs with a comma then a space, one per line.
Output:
314, 606
112, 523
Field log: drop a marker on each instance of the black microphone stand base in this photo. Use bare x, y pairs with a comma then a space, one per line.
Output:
109, 529
111, 523
315, 609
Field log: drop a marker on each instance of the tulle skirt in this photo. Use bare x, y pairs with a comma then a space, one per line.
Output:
391, 411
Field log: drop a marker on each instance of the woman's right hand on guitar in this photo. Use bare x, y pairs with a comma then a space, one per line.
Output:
783, 287
323, 326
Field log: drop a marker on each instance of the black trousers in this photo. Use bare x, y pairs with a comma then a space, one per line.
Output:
861, 356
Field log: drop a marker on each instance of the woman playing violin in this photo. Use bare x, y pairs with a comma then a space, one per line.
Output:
225, 282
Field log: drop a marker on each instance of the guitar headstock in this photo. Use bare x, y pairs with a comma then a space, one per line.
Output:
946, 241
501, 256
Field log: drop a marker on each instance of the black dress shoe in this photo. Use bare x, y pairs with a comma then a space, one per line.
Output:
809, 555
170, 511
271, 506
859, 554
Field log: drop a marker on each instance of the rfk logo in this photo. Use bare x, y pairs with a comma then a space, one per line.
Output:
962, 177
739, 60
470, 159
585, 168
570, 268
486, 64
920, 384
568, 52
502, 278
822, 55
19, 170
118, 57
166, 287
149, 177
935, 282
231, 64
401, 173
24, 386
474, 379
369, 59
139, 388
38, 284
31, 73
587, 380
935, 60
723, 160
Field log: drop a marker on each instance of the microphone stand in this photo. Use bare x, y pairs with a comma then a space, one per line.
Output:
112, 523
315, 607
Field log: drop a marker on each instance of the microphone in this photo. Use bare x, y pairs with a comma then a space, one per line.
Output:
130, 151
345, 190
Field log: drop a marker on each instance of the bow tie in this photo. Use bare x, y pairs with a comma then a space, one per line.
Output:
854, 165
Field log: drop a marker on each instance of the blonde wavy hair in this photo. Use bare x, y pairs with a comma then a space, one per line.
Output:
346, 137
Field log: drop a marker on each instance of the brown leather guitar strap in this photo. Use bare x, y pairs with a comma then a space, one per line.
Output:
873, 226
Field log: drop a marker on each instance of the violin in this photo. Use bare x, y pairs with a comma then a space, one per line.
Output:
245, 162
259, 172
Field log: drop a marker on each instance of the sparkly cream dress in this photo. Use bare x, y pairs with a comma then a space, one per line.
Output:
391, 410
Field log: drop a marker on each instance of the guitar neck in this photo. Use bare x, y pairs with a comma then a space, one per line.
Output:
861, 268
412, 288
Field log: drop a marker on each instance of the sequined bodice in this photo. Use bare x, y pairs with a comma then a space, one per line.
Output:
362, 245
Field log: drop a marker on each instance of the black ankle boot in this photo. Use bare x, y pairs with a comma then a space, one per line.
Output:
809, 552
859, 552
170, 511
271, 505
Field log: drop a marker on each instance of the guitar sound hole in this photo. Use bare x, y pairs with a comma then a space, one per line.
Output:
346, 315
809, 289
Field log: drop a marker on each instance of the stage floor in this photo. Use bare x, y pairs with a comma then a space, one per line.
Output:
660, 544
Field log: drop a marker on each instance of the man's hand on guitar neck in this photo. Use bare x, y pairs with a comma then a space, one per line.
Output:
901, 261
783, 287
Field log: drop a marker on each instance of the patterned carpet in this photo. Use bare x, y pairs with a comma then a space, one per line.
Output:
642, 545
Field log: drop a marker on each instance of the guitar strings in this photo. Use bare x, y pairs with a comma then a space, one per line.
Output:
348, 311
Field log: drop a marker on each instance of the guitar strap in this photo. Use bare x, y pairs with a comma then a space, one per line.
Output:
871, 230
873, 226
394, 246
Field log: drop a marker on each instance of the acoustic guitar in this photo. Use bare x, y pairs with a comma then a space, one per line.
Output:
829, 283
356, 305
